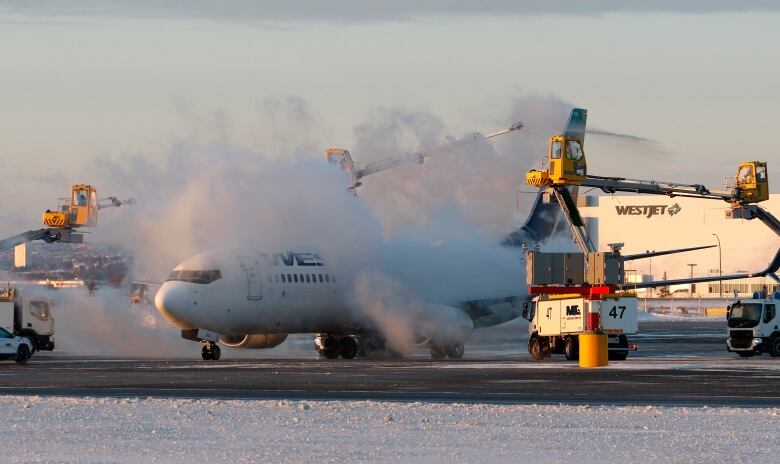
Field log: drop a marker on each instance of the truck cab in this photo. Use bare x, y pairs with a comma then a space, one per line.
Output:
754, 326
29, 317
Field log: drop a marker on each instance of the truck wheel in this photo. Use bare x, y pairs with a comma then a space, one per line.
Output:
775, 347
22, 354
570, 349
619, 355
535, 348
745, 354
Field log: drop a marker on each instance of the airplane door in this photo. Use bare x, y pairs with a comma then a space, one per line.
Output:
253, 278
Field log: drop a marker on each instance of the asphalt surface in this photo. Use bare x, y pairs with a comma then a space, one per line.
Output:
678, 363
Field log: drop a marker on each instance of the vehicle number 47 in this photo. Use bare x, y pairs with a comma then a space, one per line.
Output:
614, 312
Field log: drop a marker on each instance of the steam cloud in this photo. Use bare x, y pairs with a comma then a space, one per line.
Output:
416, 235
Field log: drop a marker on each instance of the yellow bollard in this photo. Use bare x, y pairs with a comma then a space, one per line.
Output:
593, 349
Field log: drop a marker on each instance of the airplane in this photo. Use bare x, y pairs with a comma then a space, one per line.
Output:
252, 298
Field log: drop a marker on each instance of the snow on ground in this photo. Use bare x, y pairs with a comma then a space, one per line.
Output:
155, 430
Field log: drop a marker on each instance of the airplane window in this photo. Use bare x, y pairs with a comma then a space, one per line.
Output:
308, 278
289, 279
327, 278
320, 277
295, 277
301, 277
195, 277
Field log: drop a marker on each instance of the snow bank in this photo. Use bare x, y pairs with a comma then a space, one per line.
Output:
154, 430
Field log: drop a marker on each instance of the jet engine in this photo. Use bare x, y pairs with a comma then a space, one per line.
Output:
252, 341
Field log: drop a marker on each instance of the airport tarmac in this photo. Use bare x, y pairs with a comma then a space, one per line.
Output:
678, 363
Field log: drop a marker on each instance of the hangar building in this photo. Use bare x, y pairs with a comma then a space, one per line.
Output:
648, 222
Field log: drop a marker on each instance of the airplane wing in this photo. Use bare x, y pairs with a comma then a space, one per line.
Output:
770, 270
493, 311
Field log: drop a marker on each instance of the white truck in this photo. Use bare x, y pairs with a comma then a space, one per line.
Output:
753, 326
27, 317
554, 324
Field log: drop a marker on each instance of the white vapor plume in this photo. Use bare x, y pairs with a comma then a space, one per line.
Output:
417, 238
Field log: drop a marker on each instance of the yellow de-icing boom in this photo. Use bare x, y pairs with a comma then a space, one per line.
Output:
72, 213
567, 170
79, 210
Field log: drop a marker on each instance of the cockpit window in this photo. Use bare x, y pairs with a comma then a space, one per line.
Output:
195, 277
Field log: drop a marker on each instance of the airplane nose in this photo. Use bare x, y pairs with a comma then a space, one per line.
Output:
170, 301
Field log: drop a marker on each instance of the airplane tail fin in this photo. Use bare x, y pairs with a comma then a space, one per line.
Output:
544, 221
575, 127
546, 218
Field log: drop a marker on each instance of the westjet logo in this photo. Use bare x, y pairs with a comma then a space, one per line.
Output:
291, 258
647, 210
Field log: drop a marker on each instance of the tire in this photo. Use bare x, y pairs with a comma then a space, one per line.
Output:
775, 347
535, 348
22, 354
331, 352
455, 351
570, 349
438, 353
745, 354
619, 355
205, 353
216, 352
348, 347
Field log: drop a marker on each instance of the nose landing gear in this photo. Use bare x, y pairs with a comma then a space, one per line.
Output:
210, 351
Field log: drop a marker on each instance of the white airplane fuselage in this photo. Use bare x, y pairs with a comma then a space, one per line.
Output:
251, 292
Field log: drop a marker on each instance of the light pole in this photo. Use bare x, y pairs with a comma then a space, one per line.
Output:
693, 286
651, 271
720, 266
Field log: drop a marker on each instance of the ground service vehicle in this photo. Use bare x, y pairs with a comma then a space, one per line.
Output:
566, 170
754, 326
73, 213
27, 317
13, 347
555, 322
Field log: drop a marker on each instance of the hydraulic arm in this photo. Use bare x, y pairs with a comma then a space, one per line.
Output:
567, 171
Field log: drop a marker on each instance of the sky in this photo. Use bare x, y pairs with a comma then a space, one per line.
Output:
87, 84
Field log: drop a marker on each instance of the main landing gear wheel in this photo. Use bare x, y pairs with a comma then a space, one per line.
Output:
455, 351
438, 353
210, 352
22, 354
348, 347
